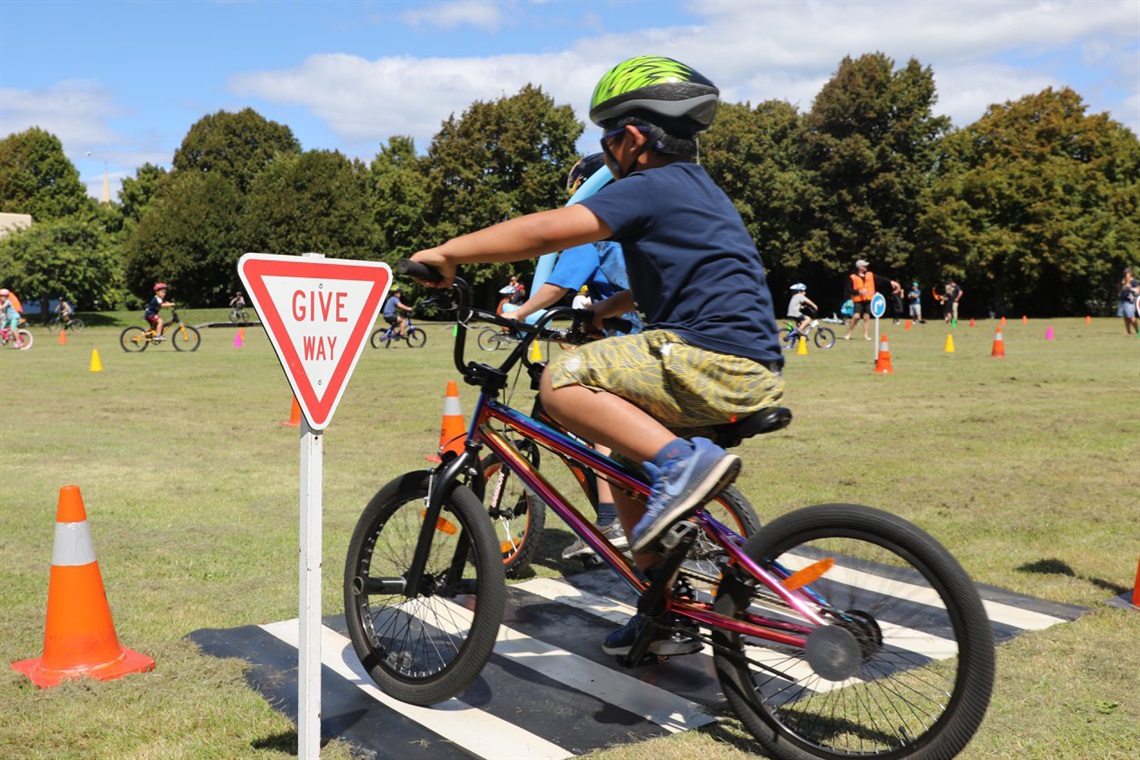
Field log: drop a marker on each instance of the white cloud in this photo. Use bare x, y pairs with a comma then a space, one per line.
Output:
481, 14
75, 111
754, 51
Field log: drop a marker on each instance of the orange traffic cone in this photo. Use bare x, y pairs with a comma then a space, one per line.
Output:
62, 337
453, 430
883, 362
908, 324
294, 415
1024, 319
79, 638
1088, 319
999, 346
972, 322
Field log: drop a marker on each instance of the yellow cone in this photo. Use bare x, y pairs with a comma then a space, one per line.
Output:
801, 349
949, 344
96, 365
535, 352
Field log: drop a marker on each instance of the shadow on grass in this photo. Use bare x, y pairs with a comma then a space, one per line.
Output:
1057, 567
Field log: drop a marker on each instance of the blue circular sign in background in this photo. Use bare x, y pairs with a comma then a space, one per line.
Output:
878, 306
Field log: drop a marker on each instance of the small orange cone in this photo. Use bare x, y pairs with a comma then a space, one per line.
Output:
883, 362
294, 415
79, 637
1088, 319
62, 337
1024, 319
999, 346
96, 364
453, 431
908, 324
1003, 321
972, 323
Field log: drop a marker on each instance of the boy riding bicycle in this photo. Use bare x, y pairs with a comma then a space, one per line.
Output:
151, 313
701, 361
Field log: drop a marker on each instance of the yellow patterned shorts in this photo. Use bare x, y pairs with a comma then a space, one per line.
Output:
687, 389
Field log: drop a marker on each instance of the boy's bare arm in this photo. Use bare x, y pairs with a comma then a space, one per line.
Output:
516, 239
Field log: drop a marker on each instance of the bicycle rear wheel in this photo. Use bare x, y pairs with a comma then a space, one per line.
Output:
133, 339
788, 338
905, 666
416, 337
518, 516
824, 337
488, 339
427, 648
185, 338
377, 338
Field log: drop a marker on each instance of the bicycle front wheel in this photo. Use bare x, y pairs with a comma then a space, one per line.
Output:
26, 338
416, 337
488, 339
517, 515
904, 666
824, 337
428, 646
185, 338
133, 339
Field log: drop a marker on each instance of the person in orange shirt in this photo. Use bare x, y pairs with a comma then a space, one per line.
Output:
862, 286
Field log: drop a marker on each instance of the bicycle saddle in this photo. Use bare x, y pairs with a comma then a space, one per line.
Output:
766, 420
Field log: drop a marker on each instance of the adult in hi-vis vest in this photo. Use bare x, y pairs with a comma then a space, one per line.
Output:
862, 287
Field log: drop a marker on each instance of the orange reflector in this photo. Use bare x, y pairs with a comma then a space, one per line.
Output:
507, 547
809, 574
441, 524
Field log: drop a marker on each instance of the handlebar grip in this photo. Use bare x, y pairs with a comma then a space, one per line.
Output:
617, 324
418, 271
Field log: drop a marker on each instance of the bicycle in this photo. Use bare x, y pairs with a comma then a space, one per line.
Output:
824, 337
8, 337
809, 620
75, 324
239, 315
413, 336
182, 336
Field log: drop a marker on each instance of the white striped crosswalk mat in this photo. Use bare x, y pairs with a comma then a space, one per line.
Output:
548, 690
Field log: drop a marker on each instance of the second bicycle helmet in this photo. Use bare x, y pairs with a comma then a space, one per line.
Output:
159, 286
583, 170
798, 286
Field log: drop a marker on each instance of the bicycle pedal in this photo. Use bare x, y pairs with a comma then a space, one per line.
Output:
677, 533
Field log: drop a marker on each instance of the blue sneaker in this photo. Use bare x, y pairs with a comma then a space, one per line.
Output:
667, 644
681, 487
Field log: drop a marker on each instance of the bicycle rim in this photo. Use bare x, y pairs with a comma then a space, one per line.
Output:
133, 339
416, 337
824, 337
517, 515
903, 669
427, 648
185, 338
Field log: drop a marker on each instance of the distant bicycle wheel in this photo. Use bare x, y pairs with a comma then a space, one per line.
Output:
76, 325
824, 337
377, 338
416, 337
489, 339
185, 338
133, 339
788, 338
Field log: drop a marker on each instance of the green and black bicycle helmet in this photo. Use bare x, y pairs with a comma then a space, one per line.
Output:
659, 86
583, 170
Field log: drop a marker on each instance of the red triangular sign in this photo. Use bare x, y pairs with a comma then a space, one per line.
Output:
318, 313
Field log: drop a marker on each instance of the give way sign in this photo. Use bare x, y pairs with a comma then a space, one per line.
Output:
318, 313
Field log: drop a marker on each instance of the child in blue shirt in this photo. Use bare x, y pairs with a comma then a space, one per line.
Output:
708, 352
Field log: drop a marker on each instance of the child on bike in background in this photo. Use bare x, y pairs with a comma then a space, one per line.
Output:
151, 313
10, 316
701, 360
801, 309
392, 308
237, 303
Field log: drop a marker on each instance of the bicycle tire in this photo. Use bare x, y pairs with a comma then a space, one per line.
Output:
185, 338
787, 338
824, 337
76, 325
427, 649
416, 337
488, 339
869, 684
518, 516
133, 339
53, 324
377, 337
26, 338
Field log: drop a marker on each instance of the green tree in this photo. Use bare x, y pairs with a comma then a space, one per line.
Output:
235, 145
37, 178
190, 238
755, 155
315, 201
74, 256
399, 196
870, 144
138, 191
499, 160
1036, 204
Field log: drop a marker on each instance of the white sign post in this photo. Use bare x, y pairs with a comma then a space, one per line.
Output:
878, 309
317, 313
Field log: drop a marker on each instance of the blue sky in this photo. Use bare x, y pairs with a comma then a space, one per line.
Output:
124, 81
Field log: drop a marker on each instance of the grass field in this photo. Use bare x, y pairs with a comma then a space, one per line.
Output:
1025, 467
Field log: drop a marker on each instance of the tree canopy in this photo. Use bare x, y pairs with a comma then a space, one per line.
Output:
37, 178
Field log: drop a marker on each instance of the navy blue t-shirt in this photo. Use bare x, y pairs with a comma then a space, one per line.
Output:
692, 265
